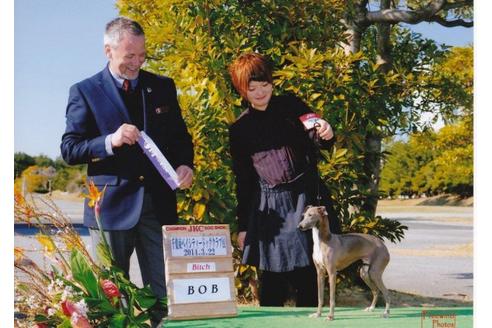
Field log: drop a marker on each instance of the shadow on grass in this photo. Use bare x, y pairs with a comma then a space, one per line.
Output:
445, 200
400, 299
360, 297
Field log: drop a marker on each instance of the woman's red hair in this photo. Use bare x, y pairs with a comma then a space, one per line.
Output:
249, 67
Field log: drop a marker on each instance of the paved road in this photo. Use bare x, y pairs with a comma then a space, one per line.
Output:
435, 258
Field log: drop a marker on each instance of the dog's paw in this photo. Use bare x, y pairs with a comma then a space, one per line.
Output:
369, 309
330, 317
315, 315
385, 315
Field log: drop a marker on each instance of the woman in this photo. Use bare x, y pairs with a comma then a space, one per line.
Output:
274, 162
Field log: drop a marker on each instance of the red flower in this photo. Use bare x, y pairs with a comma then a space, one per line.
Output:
68, 308
110, 289
41, 325
79, 321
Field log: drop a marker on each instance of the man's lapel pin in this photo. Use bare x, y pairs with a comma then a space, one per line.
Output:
161, 110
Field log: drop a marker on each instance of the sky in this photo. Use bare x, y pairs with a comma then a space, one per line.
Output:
59, 43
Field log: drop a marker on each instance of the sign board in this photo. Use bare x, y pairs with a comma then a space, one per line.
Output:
199, 272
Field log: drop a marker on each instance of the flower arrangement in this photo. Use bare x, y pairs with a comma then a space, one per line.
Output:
76, 291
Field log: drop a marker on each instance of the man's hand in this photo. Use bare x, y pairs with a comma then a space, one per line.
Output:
240, 239
324, 130
126, 134
185, 176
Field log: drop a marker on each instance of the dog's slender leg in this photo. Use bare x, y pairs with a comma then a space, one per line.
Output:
320, 273
364, 274
376, 277
332, 276
376, 272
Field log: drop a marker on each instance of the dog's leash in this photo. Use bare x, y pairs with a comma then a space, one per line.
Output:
316, 159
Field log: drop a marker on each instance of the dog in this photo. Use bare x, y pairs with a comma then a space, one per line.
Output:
332, 253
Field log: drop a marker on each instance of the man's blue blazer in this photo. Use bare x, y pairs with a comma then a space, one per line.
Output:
95, 109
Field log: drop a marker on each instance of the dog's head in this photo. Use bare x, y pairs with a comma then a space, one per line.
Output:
311, 217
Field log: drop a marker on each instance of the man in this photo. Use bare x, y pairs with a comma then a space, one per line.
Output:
104, 117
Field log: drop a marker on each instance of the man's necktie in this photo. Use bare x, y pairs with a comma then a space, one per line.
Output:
126, 86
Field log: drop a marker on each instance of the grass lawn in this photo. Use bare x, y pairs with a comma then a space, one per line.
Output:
346, 317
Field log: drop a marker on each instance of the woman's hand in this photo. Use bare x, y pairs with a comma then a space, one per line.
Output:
240, 239
324, 130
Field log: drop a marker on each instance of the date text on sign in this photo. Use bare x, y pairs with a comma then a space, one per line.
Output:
198, 246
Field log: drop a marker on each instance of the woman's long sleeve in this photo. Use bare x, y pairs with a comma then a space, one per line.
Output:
299, 108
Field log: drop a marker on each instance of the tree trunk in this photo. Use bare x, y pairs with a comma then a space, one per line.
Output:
372, 170
353, 38
373, 140
355, 23
372, 159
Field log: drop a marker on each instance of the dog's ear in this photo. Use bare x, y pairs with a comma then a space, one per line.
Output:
322, 210
306, 208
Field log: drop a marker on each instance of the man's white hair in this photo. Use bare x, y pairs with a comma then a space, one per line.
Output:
116, 29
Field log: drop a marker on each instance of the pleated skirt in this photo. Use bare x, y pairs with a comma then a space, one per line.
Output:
273, 241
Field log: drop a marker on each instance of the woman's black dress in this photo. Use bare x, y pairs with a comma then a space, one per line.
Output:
274, 161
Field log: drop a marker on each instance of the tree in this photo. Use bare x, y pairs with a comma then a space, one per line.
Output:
21, 162
369, 90
195, 40
388, 13
407, 169
443, 161
46, 171
422, 146
364, 92
43, 161
431, 163
448, 88
453, 164
70, 179
398, 172
32, 180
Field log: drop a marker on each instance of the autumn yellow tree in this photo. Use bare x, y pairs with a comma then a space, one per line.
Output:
348, 60
32, 179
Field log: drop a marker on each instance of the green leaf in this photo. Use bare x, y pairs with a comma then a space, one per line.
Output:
145, 298
340, 152
356, 221
83, 274
142, 317
65, 324
23, 287
103, 254
118, 321
40, 318
101, 304
314, 96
